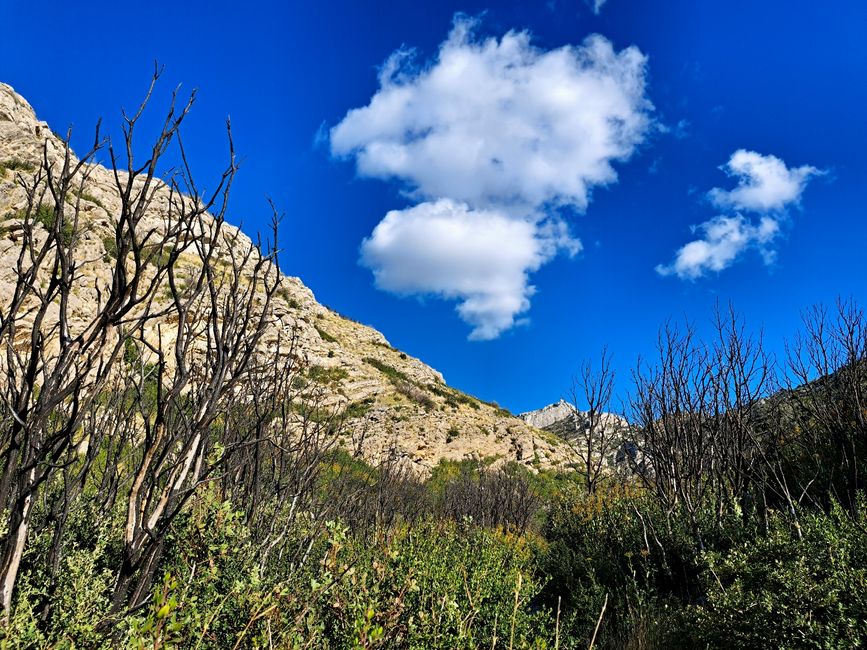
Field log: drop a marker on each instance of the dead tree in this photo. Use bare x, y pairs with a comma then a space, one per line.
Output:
742, 376
596, 431
826, 382
53, 369
177, 376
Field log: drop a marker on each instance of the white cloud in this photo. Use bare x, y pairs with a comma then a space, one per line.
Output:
597, 5
497, 127
480, 257
723, 240
765, 184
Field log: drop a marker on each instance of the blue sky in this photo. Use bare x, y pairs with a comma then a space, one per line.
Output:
687, 84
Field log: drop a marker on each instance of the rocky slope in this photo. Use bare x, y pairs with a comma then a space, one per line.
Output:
396, 400
565, 421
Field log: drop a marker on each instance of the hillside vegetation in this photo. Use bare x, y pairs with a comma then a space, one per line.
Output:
180, 469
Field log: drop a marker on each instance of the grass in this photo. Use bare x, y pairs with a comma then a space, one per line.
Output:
15, 165
325, 336
394, 375
326, 376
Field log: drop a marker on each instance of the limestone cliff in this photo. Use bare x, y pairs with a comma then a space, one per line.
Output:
396, 400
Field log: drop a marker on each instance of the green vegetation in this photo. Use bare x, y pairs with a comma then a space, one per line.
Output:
394, 375
503, 413
414, 392
14, 165
131, 352
453, 397
327, 376
283, 292
359, 409
92, 199
110, 245
325, 336
158, 255
44, 215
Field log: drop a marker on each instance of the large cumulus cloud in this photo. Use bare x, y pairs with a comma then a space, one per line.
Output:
494, 138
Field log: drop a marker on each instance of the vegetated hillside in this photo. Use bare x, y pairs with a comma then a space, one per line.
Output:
395, 404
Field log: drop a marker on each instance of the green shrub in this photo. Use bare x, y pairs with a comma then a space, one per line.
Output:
598, 548
110, 245
777, 591
327, 376
359, 409
325, 336
454, 397
16, 165
394, 375
44, 215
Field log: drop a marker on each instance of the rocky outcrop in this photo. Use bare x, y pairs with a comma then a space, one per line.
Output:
567, 422
394, 400
556, 415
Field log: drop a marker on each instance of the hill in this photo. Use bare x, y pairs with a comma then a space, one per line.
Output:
394, 403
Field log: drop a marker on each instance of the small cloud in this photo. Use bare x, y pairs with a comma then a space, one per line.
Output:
723, 240
765, 184
321, 137
596, 5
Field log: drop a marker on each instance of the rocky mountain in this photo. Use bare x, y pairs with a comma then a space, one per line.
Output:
559, 416
565, 421
397, 401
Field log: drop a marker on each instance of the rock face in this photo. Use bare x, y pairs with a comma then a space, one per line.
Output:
565, 421
397, 401
557, 415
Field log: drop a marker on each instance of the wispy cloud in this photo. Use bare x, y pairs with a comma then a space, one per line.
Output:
766, 186
493, 138
723, 240
596, 5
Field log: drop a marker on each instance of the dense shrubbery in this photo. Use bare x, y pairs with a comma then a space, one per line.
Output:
439, 579
434, 584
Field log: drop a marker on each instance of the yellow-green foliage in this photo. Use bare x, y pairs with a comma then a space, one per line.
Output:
325, 336
15, 165
44, 215
327, 376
